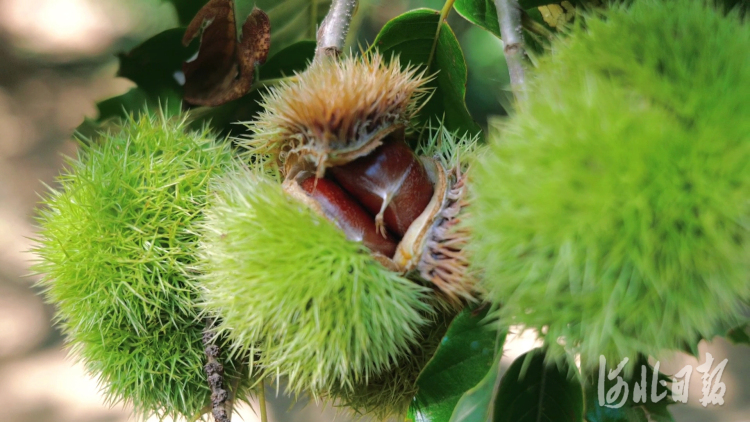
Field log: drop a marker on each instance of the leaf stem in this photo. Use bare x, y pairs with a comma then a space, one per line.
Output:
313, 17
511, 31
443, 16
262, 402
332, 32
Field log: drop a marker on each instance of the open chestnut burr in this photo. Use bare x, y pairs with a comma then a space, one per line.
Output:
345, 156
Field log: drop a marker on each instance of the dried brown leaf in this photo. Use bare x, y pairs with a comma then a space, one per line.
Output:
224, 68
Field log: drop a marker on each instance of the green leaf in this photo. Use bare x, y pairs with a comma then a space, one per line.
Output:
630, 411
462, 360
186, 9
154, 66
740, 335
292, 20
411, 36
294, 58
476, 404
479, 12
155, 63
484, 14
532, 390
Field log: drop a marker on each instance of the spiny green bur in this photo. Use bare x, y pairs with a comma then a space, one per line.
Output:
288, 285
612, 212
390, 393
117, 250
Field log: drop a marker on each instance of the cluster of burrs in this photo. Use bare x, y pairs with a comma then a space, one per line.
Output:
610, 214
334, 252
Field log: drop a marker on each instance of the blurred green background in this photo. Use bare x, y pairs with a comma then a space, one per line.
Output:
57, 58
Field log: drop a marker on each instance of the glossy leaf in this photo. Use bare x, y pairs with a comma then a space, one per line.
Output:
532, 390
411, 36
462, 360
156, 64
622, 407
479, 12
476, 404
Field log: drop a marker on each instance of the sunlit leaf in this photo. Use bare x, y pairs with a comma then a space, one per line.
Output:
558, 15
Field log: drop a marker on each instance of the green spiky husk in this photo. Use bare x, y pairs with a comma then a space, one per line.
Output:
450, 149
117, 253
390, 393
288, 285
612, 210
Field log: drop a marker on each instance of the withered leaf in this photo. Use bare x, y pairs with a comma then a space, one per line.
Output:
224, 68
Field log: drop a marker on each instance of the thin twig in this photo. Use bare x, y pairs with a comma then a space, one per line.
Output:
215, 375
333, 29
511, 31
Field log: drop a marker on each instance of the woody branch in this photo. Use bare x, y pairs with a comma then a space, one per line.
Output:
332, 32
511, 31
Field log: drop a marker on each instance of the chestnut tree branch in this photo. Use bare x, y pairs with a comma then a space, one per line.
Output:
333, 29
511, 31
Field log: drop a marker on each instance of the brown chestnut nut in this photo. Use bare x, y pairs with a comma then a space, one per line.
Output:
339, 207
390, 182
